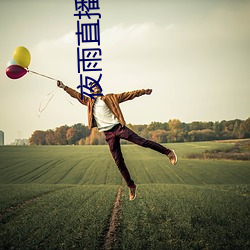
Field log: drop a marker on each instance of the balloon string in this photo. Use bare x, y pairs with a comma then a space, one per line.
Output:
71, 103
31, 71
50, 96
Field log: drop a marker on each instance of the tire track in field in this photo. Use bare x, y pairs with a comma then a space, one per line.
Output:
6, 214
112, 228
94, 175
67, 172
84, 181
176, 175
46, 166
195, 178
48, 169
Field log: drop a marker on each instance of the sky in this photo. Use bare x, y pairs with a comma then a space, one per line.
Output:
194, 54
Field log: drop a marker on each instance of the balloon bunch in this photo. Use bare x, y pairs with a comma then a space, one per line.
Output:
18, 67
18, 64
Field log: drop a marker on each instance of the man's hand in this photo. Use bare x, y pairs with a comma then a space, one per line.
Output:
148, 91
60, 84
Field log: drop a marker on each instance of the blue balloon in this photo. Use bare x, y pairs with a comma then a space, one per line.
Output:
11, 62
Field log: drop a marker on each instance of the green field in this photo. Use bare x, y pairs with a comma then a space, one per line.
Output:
62, 197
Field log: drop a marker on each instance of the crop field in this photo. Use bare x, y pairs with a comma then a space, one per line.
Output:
73, 197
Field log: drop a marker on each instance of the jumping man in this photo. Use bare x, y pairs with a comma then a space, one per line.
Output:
104, 113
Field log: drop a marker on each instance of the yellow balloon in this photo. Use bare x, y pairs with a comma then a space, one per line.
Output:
22, 56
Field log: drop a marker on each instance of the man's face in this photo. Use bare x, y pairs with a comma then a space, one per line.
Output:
96, 90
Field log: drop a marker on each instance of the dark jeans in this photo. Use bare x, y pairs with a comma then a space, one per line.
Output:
113, 137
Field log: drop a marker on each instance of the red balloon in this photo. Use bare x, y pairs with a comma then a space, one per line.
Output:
15, 71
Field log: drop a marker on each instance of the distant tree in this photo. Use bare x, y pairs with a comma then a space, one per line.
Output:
76, 133
96, 137
185, 130
229, 125
50, 137
236, 128
175, 133
202, 135
244, 129
196, 126
174, 124
38, 138
70, 136
217, 129
60, 134
229, 129
82, 142
145, 133
159, 135
141, 130
81, 131
157, 126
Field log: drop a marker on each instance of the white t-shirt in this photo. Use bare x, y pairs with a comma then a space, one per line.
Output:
105, 119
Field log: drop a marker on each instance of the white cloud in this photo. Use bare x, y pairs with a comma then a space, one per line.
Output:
125, 33
56, 57
55, 49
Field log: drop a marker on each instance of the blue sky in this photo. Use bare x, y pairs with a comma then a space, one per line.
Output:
195, 55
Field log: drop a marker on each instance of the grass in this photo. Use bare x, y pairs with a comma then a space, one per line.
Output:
57, 165
187, 217
61, 197
65, 218
240, 150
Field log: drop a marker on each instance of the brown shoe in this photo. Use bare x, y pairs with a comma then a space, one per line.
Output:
132, 193
172, 157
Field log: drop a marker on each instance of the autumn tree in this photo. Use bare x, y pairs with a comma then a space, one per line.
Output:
159, 135
175, 133
38, 138
95, 137
70, 136
50, 137
172, 131
77, 134
60, 134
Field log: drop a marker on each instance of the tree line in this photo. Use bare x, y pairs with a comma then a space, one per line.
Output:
172, 131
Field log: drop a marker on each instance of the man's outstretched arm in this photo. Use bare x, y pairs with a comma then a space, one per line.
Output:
132, 94
73, 93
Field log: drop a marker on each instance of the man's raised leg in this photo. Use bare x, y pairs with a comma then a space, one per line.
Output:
131, 136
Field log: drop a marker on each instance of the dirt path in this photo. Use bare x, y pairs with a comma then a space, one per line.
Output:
111, 235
